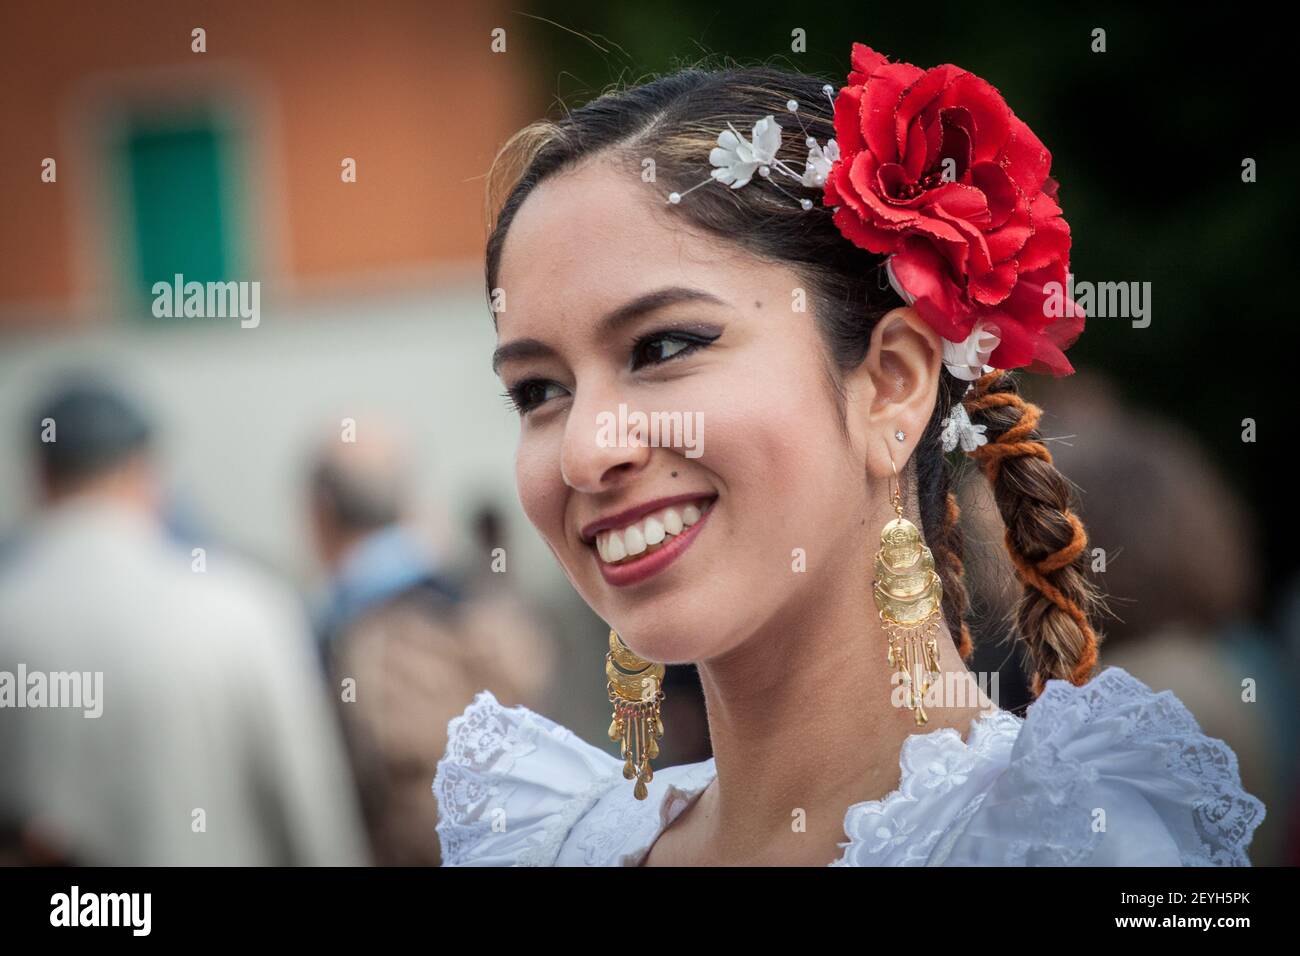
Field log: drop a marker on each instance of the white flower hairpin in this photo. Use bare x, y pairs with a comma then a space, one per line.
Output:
959, 430
736, 159
967, 360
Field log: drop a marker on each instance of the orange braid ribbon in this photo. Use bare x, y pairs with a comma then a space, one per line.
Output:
1016, 442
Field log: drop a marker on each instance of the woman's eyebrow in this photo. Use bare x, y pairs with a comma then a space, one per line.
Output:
520, 349
624, 315
650, 302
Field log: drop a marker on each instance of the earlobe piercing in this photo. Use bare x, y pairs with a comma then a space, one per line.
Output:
899, 435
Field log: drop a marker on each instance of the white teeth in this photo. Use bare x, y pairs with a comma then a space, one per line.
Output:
614, 549
654, 531
651, 531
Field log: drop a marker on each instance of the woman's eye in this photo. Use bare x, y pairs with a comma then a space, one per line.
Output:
660, 347
527, 395
653, 349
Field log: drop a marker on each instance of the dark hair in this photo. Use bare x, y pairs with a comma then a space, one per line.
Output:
674, 120
358, 500
95, 428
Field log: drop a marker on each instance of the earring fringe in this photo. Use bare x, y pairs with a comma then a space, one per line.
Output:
635, 689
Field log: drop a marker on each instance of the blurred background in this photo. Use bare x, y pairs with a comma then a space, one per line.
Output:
341, 473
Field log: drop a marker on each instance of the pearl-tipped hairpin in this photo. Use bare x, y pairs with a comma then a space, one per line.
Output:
736, 159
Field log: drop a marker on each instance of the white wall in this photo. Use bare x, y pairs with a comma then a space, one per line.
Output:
240, 408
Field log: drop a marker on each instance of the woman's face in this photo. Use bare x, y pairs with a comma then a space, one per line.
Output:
610, 300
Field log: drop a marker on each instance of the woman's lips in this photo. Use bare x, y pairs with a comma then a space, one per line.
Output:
632, 537
654, 538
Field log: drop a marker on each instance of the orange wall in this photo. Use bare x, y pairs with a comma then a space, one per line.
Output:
410, 89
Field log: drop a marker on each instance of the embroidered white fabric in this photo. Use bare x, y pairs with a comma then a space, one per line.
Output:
1108, 774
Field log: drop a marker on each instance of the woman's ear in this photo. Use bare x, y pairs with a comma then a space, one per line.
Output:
894, 390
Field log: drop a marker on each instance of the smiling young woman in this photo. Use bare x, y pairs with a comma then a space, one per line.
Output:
937, 229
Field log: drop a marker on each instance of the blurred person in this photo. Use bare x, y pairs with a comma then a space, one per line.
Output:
406, 639
1181, 575
212, 742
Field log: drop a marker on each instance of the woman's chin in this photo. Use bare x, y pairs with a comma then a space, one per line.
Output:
663, 641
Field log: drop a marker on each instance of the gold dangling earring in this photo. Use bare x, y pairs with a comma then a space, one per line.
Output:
909, 596
636, 691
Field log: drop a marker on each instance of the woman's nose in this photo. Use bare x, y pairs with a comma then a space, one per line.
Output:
603, 446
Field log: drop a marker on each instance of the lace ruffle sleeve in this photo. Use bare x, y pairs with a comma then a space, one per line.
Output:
512, 784
1113, 774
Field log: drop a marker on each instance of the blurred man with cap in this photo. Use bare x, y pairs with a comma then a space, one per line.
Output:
215, 743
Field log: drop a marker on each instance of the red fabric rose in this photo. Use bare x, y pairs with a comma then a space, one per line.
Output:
937, 172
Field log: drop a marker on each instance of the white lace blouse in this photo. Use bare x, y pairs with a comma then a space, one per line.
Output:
1108, 774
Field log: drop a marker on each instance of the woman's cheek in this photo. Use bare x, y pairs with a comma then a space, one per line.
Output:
540, 487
